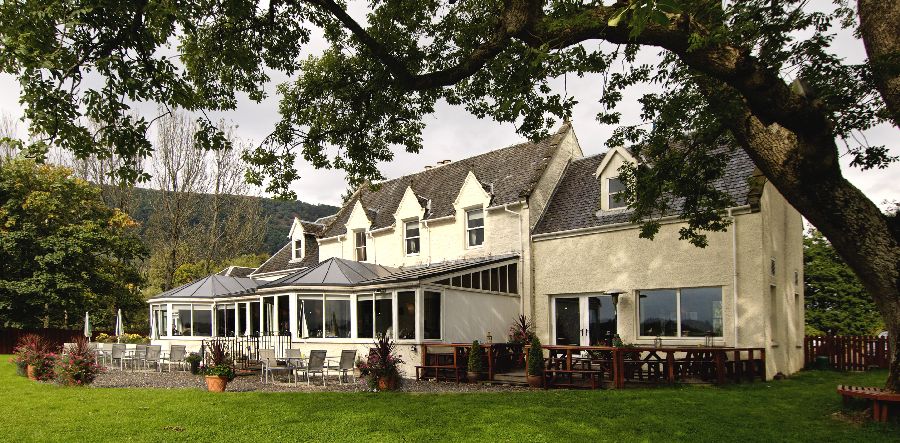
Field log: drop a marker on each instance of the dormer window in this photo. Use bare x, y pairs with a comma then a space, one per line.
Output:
297, 249
359, 245
475, 228
615, 188
411, 237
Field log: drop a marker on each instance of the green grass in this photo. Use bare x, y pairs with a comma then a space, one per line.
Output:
800, 409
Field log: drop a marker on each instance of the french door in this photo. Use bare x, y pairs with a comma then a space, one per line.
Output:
583, 320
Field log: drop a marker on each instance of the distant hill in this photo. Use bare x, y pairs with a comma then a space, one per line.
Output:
281, 215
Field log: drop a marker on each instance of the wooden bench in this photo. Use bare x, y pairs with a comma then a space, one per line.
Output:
880, 399
594, 376
422, 371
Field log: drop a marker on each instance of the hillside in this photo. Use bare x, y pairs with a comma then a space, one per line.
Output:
281, 214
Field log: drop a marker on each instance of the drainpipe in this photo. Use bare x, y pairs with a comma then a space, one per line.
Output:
522, 249
341, 240
428, 229
734, 274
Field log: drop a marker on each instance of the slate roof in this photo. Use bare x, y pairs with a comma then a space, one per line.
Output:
281, 260
511, 172
236, 271
576, 200
212, 286
343, 272
312, 227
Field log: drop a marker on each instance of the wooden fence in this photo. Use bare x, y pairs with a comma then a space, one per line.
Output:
56, 337
848, 352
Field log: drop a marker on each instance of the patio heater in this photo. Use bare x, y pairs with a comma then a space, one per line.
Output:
614, 294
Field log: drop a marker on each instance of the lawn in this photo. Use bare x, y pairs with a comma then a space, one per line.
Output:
804, 408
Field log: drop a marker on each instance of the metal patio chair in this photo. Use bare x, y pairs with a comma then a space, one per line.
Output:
344, 368
316, 365
118, 353
270, 366
152, 357
177, 353
294, 359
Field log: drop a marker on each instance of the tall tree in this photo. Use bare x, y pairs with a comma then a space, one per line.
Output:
723, 70
62, 250
836, 301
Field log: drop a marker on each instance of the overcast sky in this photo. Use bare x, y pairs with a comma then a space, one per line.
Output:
452, 133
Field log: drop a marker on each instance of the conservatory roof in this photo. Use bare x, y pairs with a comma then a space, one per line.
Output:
210, 287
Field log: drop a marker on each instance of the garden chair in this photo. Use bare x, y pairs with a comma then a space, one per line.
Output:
270, 366
344, 367
176, 355
138, 356
118, 353
104, 351
152, 357
295, 360
316, 365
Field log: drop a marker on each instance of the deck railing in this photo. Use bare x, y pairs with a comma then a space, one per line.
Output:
583, 366
245, 350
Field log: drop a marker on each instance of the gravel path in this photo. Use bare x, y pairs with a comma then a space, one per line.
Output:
178, 379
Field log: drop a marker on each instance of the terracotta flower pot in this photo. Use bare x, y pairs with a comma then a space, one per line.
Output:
535, 381
31, 372
387, 384
216, 383
473, 376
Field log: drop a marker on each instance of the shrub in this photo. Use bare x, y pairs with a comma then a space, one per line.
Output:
476, 360
104, 338
77, 366
135, 339
35, 351
535, 358
220, 363
381, 363
521, 332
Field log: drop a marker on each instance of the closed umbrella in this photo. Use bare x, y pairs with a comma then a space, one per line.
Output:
120, 327
87, 326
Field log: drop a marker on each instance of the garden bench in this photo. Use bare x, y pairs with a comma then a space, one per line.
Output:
422, 371
880, 399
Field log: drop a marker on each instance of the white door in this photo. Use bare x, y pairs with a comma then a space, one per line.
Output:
583, 320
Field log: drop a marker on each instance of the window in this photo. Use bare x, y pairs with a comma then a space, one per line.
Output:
685, 312
159, 320
225, 324
365, 316
310, 322
406, 315
432, 320
298, 249
360, 245
181, 320
614, 189
475, 227
384, 315
253, 328
504, 279
269, 315
701, 312
243, 316
202, 320
772, 266
337, 317
658, 310
411, 234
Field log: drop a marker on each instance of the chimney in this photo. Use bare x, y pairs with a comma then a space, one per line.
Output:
427, 167
444, 162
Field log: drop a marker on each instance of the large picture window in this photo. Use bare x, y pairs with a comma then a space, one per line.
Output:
406, 315
359, 244
384, 315
475, 227
203, 324
181, 320
225, 321
159, 320
685, 312
411, 237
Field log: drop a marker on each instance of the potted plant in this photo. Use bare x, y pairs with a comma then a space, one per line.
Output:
520, 334
33, 351
381, 369
535, 370
476, 362
193, 359
220, 370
